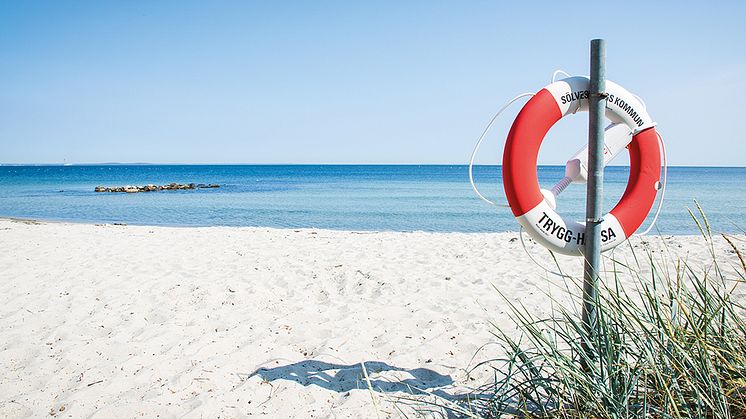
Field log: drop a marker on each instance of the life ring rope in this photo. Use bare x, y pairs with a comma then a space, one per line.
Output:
557, 72
479, 143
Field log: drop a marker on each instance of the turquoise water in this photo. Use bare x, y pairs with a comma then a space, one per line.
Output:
398, 198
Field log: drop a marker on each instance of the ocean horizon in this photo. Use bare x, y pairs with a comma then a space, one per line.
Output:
713, 166
370, 197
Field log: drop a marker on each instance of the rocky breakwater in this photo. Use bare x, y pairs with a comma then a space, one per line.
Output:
153, 188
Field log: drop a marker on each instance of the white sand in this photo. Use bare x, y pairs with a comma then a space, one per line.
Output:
126, 321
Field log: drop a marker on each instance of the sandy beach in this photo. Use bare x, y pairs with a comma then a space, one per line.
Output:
124, 321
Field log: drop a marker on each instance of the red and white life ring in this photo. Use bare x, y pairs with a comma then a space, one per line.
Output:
521, 182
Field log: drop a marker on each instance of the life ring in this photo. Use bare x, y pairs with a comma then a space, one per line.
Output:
521, 182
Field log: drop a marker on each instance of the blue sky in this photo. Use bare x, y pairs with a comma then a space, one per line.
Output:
349, 82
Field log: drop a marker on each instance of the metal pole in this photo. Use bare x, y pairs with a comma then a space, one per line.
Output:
594, 193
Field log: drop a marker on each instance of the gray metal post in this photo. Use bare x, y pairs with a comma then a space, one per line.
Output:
594, 192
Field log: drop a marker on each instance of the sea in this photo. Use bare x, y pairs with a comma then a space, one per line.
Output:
435, 198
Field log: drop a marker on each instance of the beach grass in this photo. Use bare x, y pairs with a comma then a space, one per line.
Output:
673, 346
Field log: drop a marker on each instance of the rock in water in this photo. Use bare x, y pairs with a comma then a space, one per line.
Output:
151, 187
